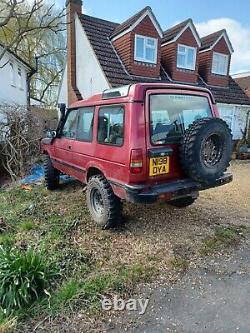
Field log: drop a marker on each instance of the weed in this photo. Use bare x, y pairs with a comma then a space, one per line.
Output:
223, 237
7, 325
7, 239
180, 263
26, 225
24, 276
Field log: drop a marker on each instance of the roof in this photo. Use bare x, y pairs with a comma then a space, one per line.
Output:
171, 33
208, 42
134, 20
175, 32
244, 82
99, 31
136, 92
241, 75
17, 57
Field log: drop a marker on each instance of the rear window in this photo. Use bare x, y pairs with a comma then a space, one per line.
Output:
171, 114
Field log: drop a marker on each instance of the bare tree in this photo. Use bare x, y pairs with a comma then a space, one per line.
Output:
35, 28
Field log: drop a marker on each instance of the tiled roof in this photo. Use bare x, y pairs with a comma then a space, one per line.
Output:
173, 32
99, 31
209, 40
127, 24
244, 82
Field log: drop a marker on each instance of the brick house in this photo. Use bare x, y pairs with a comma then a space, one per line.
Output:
103, 54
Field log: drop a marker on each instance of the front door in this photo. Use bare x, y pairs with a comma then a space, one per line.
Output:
63, 158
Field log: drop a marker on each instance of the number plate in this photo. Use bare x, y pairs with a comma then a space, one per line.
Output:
159, 166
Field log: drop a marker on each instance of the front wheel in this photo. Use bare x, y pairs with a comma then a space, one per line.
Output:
51, 175
182, 202
103, 204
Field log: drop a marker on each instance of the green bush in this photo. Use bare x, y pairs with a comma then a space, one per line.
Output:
24, 276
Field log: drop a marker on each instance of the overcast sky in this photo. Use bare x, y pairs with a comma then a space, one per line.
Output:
208, 16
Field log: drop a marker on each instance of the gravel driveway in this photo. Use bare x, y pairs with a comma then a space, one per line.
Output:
199, 260
214, 294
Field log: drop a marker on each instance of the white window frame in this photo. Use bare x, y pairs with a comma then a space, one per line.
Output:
12, 74
143, 59
185, 53
225, 56
20, 77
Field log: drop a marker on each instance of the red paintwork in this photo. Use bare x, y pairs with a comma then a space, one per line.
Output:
113, 161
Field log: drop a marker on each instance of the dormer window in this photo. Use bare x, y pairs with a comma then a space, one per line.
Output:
186, 57
220, 63
145, 49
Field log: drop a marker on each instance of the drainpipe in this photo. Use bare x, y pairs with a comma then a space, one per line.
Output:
29, 76
247, 126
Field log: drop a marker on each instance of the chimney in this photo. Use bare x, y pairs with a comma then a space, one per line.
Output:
73, 7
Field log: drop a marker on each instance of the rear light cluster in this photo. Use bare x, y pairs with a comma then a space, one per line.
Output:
136, 161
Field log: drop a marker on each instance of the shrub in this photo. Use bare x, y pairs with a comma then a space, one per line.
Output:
24, 276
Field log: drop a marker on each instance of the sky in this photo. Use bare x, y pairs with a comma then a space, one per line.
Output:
208, 16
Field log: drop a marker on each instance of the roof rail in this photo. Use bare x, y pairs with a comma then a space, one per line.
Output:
116, 92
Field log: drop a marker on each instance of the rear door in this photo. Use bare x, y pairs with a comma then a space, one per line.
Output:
168, 114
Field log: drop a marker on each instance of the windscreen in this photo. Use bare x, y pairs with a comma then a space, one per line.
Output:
171, 114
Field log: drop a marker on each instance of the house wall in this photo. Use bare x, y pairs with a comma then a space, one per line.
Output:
205, 65
235, 116
63, 91
125, 47
12, 92
169, 58
90, 78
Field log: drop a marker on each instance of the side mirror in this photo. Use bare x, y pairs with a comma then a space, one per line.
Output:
50, 133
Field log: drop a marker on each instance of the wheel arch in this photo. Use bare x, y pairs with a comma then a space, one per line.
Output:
93, 171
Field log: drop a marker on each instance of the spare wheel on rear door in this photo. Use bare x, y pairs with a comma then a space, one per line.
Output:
206, 149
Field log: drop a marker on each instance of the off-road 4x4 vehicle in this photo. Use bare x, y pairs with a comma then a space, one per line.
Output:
140, 143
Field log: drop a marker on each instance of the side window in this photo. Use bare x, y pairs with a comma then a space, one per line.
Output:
85, 124
69, 128
111, 125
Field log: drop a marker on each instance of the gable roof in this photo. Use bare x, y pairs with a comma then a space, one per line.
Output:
172, 34
99, 31
208, 42
17, 57
133, 21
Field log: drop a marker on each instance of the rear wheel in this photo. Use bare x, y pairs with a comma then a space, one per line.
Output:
182, 202
104, 206
51, 175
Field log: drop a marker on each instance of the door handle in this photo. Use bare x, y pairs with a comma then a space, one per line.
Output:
69, 147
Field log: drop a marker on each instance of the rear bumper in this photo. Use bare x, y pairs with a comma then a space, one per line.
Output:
175, 189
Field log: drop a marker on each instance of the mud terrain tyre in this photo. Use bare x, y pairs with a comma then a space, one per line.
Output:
182, 202
206, 149
51, 175
104, 206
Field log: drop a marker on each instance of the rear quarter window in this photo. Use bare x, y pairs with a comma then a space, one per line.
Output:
111, 125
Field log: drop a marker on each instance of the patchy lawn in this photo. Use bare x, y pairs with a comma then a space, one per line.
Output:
156, 242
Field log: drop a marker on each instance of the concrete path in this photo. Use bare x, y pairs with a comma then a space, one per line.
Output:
214, 298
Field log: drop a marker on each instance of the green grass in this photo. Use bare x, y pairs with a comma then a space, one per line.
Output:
180, 264
7, 239
47, 221
223, 238
7, 324
27, 225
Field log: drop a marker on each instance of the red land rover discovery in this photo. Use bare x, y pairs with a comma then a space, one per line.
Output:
140, 143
